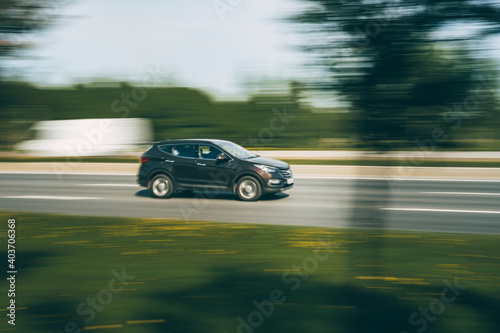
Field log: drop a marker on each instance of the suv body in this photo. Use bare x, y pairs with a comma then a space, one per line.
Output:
204, 164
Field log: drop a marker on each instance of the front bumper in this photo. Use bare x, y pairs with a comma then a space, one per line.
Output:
279, 181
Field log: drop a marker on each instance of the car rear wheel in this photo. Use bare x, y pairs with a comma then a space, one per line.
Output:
248, 189
161, 186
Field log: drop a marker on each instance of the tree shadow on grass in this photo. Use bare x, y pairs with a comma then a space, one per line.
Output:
28, 261
31, 314
238, 301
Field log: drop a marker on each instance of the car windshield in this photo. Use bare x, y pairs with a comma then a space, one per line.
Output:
235, 150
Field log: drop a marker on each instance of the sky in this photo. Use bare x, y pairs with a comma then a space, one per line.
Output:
224, 47
217, 45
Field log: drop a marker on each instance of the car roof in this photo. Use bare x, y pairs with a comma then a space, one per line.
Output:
215, 141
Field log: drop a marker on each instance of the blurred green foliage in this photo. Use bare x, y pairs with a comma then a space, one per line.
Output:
408, 68
264, 120
21, 17
406, 84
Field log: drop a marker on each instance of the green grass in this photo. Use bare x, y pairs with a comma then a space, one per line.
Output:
195, 276
23, 159
469, 164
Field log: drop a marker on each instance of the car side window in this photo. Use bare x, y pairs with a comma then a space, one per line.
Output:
169, 149
185, 150
209, 152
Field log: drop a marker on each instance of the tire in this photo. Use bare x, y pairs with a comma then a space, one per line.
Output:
248, 189
161, 186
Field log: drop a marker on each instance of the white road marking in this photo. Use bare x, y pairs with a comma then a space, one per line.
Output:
443, 210
464, 193
48, 197
110, 185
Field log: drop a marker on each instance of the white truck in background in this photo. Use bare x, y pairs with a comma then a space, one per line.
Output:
87, 137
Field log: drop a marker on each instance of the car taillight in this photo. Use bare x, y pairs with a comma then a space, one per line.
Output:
144, 159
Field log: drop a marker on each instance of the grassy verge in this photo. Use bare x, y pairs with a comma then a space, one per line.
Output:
177, 276
470, 164
462, 164
23, 159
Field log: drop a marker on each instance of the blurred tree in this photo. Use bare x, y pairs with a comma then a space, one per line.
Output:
19, 18
408, 74
388, 61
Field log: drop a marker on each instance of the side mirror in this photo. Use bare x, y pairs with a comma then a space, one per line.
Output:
222, 158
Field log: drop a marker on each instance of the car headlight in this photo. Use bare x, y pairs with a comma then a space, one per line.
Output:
265, 168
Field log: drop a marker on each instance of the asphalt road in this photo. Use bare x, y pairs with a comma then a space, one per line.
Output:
428, 205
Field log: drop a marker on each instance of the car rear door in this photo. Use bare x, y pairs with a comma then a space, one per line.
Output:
181, 159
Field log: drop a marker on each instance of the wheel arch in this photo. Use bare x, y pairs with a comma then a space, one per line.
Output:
243, 174
161, 172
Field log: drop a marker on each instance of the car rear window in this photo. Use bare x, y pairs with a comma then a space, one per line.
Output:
181, 150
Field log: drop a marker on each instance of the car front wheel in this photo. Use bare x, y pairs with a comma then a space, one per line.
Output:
248, 189
161, 186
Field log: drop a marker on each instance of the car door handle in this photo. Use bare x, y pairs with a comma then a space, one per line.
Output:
201, 164
168, 161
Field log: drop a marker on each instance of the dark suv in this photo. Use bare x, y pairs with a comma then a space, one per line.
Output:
188, 165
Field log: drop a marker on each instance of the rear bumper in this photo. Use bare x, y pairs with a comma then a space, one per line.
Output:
142, 178
141, 181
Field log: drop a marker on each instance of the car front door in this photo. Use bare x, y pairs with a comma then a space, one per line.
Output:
211, 171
